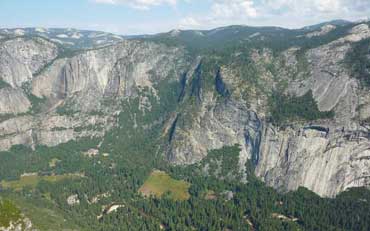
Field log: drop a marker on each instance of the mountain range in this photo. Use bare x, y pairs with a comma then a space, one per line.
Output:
295, 102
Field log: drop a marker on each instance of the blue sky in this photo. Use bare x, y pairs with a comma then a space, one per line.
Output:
152, 16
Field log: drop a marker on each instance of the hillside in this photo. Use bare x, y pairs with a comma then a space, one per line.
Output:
262, 128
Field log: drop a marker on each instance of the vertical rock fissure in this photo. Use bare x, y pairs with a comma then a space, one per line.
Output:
113, 87
183, 80
172, 129
196, 84
220, 85
64, 85
253, 137
256, 148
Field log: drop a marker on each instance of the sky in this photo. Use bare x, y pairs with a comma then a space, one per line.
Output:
129, 17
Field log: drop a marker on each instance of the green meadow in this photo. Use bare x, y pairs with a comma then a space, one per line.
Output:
33, 180
160, 183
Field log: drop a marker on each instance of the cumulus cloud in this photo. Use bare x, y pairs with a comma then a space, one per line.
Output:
139, 4
204, 14
232, 8
189, 22
296, 13
222, 12
310, 6
287, 13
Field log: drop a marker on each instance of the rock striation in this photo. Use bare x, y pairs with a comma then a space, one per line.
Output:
48, 97
325, 156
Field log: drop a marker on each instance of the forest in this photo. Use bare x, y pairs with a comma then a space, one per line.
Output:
212, 196
287, 108
358, 61
128, 184
215, 203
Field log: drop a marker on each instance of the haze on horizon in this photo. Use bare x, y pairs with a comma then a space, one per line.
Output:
130, 17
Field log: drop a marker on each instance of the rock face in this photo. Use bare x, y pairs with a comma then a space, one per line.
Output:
325, 162
331, 156
217, 124
116, 71
326, 156
59, 99
73, 200
48, 97
21, 58
323, 30
13, 101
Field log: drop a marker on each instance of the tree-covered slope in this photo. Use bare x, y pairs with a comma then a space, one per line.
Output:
237, 128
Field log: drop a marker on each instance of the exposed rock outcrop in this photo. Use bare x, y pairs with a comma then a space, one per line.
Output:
326, 156
23, 224
324, 162
73, 90
73, 200
13, 101
323, 31
21, 58
51, 99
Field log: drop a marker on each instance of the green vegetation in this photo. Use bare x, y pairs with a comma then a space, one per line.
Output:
160, 183
3, 84
36, 102
32, 180
253, 206
8, 213
65, 111
20, 159
204, 196
286, 108
187, 197
42, 212
237, 38
223, 163
302, 64
4, 117
358, 60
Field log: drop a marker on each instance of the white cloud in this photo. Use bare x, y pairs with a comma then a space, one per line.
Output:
298, 13
286, 13
302, 6
105, 1
232, 8
328, 5
205, 14
139, 4
189, 22
315, 7
222, 12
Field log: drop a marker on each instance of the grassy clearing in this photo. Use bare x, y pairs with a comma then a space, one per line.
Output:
8, 213
160, 183
45, 216
33, 180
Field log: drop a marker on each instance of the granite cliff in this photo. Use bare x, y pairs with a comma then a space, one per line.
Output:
224, 96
